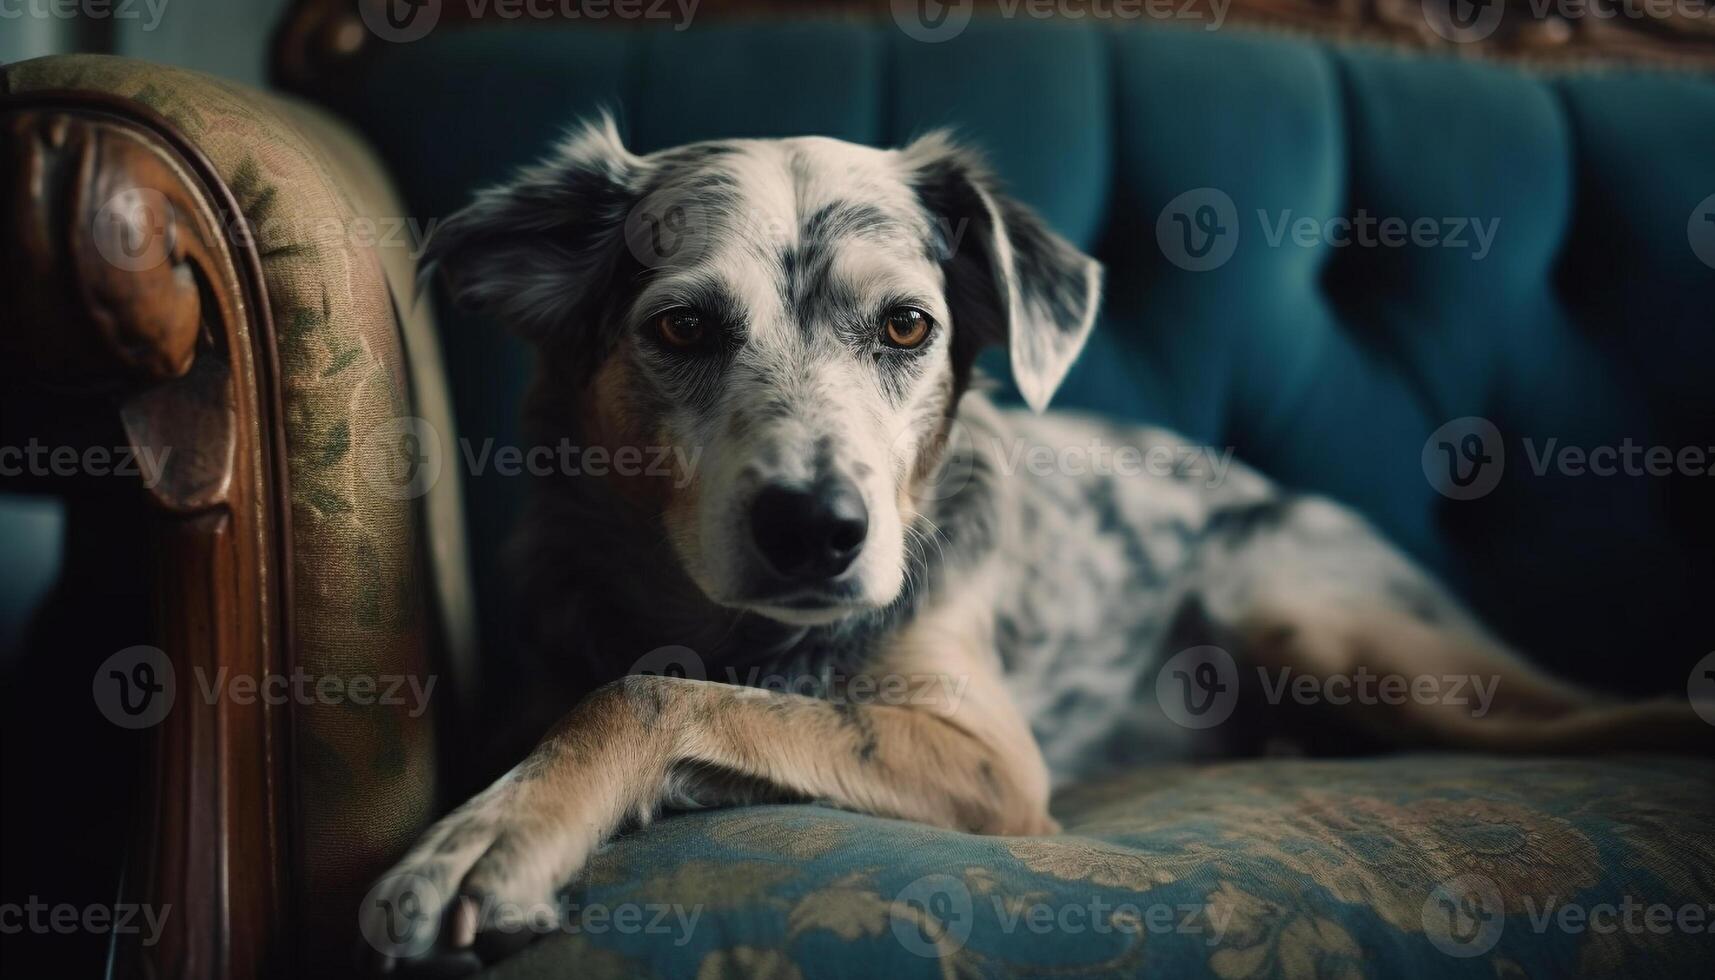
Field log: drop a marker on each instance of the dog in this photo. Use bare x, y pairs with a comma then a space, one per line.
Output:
808, 313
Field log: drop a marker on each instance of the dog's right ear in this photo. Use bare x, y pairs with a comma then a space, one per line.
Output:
1010, 279
538, 251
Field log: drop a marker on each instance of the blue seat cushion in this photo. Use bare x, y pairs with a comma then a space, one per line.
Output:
1269, 868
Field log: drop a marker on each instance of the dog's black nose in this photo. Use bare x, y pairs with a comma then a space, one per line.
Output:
809, 534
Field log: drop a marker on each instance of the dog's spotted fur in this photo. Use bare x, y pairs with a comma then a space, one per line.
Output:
1046, 603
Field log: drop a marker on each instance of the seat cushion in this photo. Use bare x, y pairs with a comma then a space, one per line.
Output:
1261, 868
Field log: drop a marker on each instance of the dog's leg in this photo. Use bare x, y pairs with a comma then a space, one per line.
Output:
1450, 689
954, 754
1318, 593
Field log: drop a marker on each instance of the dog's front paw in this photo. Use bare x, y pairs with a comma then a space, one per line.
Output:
480, 884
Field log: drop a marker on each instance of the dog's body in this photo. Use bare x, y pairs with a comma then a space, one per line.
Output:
978, 614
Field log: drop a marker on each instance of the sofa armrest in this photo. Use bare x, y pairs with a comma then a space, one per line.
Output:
214, 269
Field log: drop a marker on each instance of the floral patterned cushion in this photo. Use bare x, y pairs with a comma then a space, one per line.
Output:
1434, 866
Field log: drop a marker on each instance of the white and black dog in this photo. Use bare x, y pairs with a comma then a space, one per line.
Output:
805, 314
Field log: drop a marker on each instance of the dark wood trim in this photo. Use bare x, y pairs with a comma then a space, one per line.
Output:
127, 277
319, 42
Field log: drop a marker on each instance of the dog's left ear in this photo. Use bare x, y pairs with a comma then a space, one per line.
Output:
1010, 278
539, 251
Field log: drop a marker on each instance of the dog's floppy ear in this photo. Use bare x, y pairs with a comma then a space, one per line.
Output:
538, 251
1011, 279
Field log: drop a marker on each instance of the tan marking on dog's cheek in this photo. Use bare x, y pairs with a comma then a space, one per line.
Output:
929, 452
683, 504
619, 421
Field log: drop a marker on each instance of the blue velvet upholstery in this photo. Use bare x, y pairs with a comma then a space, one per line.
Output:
1588, 320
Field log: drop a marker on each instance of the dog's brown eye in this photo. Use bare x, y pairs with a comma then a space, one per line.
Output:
680, 328
906, 327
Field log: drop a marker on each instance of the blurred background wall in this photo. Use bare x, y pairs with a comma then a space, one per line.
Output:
225, 37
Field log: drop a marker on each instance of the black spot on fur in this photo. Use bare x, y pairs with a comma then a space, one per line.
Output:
854, 716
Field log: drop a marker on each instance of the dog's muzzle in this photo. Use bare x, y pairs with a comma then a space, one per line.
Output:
809, 535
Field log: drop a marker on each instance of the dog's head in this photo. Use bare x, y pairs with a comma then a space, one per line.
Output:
801, 314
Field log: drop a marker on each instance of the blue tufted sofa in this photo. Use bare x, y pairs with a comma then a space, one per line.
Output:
1564, 300
1588, 319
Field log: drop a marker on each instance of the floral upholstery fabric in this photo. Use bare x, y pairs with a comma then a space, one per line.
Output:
1433, 866
321, 214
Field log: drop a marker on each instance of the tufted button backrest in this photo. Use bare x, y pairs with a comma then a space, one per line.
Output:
1548, 281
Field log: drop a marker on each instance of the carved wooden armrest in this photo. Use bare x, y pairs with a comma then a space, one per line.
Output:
122, 279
